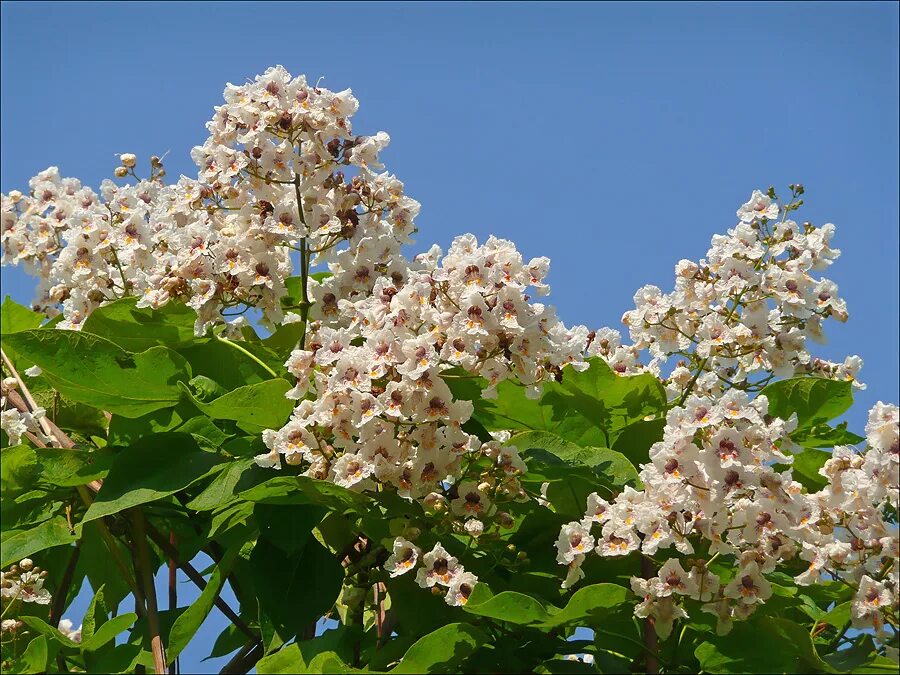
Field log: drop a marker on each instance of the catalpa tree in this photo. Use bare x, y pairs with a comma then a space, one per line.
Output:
418, 450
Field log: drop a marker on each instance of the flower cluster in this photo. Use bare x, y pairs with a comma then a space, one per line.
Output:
23, 583
439, 569
375, 405
743, 315
280, 166
720, 482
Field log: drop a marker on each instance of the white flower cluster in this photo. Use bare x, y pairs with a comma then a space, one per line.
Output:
743, 315
714, 478
439, 569
375, 405
23, 583
281, 166
721, 475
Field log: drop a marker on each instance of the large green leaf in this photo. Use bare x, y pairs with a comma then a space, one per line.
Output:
305, 490
814, 399
18, 544
136, 329
258, 405
34, 658
589, 605
72, 467
155, 467
14, 317
94, 371
295, 590
443, 650
224, 364
507, 606
612, 466
108, 631
587, 408
806, 468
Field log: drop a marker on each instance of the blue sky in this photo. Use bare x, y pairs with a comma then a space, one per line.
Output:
613, 138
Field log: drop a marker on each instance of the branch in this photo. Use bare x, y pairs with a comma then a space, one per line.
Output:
245, 659
143, 554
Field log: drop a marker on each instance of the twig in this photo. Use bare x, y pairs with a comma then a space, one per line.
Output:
173, 592
146, 573
245, 659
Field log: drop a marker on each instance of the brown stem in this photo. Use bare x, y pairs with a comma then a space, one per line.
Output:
245, 659
648, 571
62, 593
146, 573
173, 591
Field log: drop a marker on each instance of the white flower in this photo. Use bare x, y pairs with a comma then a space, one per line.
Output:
460, 589
438, 567
404, 557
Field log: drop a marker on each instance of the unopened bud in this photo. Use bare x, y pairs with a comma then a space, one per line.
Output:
505, 520
26, 564
128, 160
121, 172
15, 196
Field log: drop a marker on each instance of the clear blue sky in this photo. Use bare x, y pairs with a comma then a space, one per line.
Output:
614, 138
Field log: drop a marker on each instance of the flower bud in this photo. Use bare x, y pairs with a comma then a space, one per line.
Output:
474, 527
15, 196
26, 564
121, 172
128, 159
505, 520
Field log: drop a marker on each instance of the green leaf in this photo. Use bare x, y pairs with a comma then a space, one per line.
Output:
72, 467
260, 405
14, 317
136, 329
223, 487
35, 657
108, 631
814, 399
52, 633
825, 436
96, 372
188, 623
156, 467
95, 616
636, 439
287, 527
224, 364
589, 605
838, 615
305, 490
507, 606
295, 590
587, 408
18, 544
613, 466
806, 468
18, 470
443, 650
740, 652
791, 632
